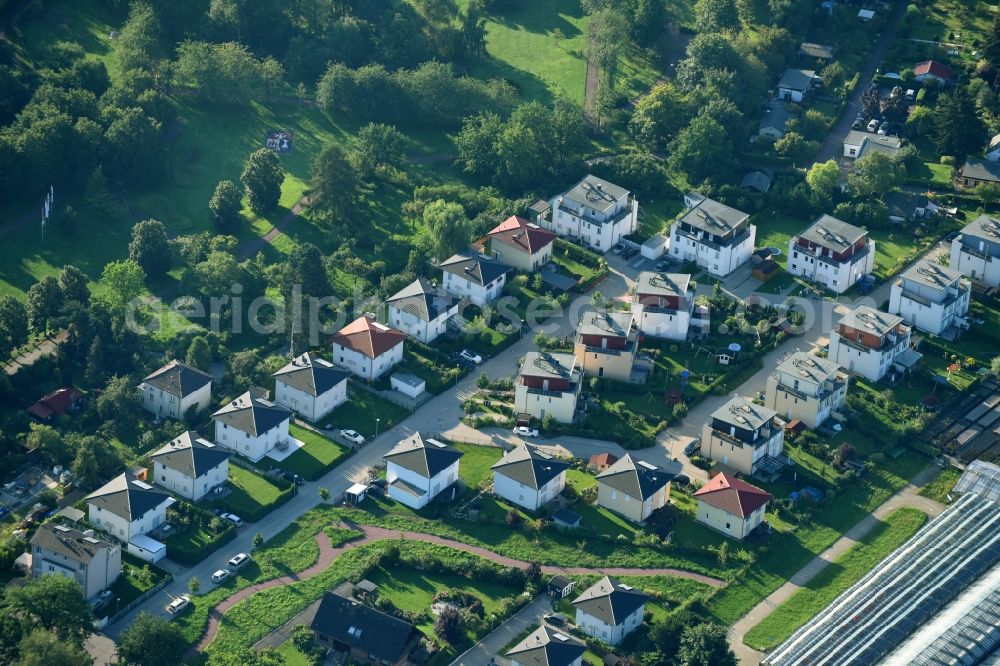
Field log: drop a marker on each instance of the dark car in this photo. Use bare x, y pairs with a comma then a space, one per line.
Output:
952, 236
293, 478
692, 447
555, 619
682, 480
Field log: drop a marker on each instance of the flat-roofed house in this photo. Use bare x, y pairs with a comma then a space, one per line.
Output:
548, 384
547, 647
663, 304
127, 508
418, 469
477, 278
367, 348
633, 488
932, 297
806, 387
605, 344
310, 386
190, 466
520, 244
975, 252
872, 343
174, 389
610, 610
421, 310
716, 237
731, 506
529, 477
596, 212
252, 425
63, 551
831, 253
745, 437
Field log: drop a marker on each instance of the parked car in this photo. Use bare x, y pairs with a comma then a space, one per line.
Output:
555, 619
661, 266
233, 518
293, 478
237, 561
617, 249
470, 357
682, 479
220, 575
380, 483
178, 604
352, 436
692, 447
950, 237
873, 124
858, 123
525, 431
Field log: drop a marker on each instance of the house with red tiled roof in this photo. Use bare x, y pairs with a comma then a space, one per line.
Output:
601, 461
731, 506
520, 244
57, 403
932, 69
367, 348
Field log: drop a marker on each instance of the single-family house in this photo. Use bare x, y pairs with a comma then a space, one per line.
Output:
252, 425
546, 646
596, 212
806, 387
520, 244
872, 343
993, 149
367, 348
975, 252
190, 466
975, 172
633, 488
813, 51
310, 386
714, 236
174, 389
601, 461
127, 508
418, 469
548, 384
731, 506
421, 310
932, 70
831, 253
795, 84
65, 400
858, 143
931, 297
663, 303
756, 180
772, 125
63, 551
745, 437
610, 610
529, 477
911, 206
605, 344
363, 634
560, 587
477, 278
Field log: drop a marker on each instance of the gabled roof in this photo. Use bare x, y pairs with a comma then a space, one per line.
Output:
424, 457
776, 117
421, 299
829, 232
732, 495
522, 234
55, 403
370, 631
311, 374
529, 466
178, 379
610, 601
811, 50
595, 193
636, 478
981, 170
366, 336
547, 647
190, 455
757, 180
252, 414
797, 79
128, 497
743, 413
609, 324
478, 270
603, 459
934, 68
651, 283
68, 542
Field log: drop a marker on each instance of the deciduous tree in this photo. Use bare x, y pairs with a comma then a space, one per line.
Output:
262, 178
54, 603
44, 648
448, 227
875, 174
151, 641
123, 281
199, 354
13, 323
702, 151
716, 15
380, 146
824, 177
705, 645
149, 247
73, 285
225, 205
335, 183
44, 300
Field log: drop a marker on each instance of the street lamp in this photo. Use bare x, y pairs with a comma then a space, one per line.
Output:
117, 599
377, 421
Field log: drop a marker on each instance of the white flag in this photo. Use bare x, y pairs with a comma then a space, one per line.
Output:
52, 194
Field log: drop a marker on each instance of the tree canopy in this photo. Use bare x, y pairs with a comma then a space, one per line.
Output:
262, 178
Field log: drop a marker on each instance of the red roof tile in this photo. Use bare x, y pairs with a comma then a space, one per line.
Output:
368, 337
522, 234
603, 459
733, 495
934, 68
55, 403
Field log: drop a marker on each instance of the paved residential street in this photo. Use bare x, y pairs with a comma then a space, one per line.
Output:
485, 650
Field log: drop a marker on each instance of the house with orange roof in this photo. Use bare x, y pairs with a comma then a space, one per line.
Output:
367, 348
520, 244
61, 401
731, 506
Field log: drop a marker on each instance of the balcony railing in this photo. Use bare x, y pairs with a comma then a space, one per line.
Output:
624, 212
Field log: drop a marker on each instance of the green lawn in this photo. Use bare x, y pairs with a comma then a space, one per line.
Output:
835, 578
315, 458
474, 468
775, 230
940, 488
137, 577
252, 495
292, 655
932, 174
360, 412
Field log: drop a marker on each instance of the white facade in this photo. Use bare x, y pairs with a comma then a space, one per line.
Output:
122, 528
609, 633
560, 405
931, 297
186, 486
807, 388
365, 366
596, 212
871, 358
697, 245
431, 487
425, 331
310, 407
663, 322
975, 253
93, 575
478, 294
526, 496
252, 447
837, 276
166, 406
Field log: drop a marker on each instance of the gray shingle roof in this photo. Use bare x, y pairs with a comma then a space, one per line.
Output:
547, 647
596, 193
981, 170
757, 180
529, 466
73, 544
776, 117
797, 79
190, 455
127, 497
832, 233
479, 270
252, 414
612, 324
637, 479
610, 601
424, 457
370, 631
310, 374
739, 407
421, 299
178, 379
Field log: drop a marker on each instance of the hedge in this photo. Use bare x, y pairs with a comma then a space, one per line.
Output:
183, 554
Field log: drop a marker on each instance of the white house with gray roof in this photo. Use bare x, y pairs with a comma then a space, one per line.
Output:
310, 386
476, 278
546, 646
252, 425
610, 610
932, 297
857, 144
418, 469
548, 384
529, 477
175, 388
663, 304
596, 212
795, 84
975, 252
633, 488
716, 237
772, 124
420, 310
58, 550
127, 508
190, 466
806, 387
831, 253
